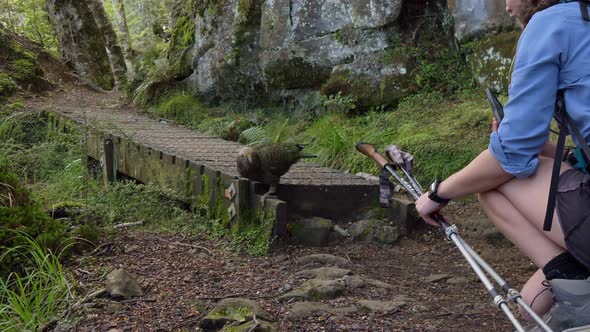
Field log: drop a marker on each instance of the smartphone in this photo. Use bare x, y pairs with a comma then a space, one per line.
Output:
497, 107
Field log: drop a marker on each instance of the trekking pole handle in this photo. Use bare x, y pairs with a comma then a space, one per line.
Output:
370, 151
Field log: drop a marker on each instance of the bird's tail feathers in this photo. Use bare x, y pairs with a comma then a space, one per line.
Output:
307, 155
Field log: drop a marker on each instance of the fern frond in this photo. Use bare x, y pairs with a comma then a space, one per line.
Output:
254, 135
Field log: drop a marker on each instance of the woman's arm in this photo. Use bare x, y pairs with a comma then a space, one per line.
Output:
482, 174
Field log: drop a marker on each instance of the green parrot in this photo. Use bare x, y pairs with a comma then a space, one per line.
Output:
266, 163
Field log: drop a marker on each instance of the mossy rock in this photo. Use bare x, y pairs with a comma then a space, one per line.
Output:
183, 38
377, 80
374, 230
233, 311
25, 69
313, 232
490, 59
19, 66
250, 326
290, 72
316, 290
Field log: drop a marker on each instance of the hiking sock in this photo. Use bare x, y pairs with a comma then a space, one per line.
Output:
565, 266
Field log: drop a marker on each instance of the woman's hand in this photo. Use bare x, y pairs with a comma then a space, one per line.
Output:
495, 125
426, 207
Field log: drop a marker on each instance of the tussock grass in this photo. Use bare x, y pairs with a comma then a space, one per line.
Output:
36, 295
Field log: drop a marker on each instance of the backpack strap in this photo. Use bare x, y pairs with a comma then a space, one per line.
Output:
584, 10
575, 132
564, 121
583, 7
563, 132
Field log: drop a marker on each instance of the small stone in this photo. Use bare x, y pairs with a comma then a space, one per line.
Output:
313, 232
323, 273
354, 282
316, 290
323, 259
280, 258
381, 306
458, 280
121, 283
437, 277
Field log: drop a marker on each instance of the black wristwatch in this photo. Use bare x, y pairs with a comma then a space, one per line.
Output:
433, 194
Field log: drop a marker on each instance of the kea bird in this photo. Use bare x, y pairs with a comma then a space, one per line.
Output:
266, 163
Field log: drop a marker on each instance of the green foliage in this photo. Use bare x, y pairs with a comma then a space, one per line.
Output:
254, 135
129, 202
331, 141
338, 103
7, 85
19, 212
29, 18
32, 298
446, 72
253, 233
182, 108
24, 69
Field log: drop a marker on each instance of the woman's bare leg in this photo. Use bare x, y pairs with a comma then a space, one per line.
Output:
536, 295
517, 209
531, 242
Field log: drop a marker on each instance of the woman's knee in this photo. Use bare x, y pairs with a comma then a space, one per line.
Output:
488, 200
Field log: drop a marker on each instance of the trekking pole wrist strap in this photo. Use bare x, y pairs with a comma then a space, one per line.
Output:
433, 194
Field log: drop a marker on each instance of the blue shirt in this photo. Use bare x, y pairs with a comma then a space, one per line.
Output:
553, 53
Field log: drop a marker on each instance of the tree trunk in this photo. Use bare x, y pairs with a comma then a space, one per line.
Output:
110, 40
121, 20
76, 31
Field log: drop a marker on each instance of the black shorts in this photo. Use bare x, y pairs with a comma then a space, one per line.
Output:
573, 209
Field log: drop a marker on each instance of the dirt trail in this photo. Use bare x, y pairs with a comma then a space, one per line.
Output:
182, 284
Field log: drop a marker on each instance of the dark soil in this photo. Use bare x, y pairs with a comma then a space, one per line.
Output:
181, 284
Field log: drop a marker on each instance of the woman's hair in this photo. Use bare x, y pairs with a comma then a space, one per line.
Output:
532, 7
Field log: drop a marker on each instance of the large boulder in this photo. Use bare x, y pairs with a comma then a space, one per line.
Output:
225, 50
305, 44
250, 50
491, 57
476, 17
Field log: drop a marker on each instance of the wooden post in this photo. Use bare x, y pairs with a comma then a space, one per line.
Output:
109, 167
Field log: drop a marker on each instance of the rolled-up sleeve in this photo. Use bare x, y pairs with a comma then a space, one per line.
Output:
525, 127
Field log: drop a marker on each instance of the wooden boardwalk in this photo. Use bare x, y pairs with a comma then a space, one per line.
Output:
202, 168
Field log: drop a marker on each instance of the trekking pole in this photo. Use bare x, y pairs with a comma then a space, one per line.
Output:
394, 154
451, 231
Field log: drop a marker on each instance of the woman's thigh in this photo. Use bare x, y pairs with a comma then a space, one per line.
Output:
530, 197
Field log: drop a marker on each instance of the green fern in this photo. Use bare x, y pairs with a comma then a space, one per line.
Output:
254, 135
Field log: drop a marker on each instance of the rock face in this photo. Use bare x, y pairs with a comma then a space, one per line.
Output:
75, 27
491, 59
252, 49
224, 56
255, 50
493, 35
302, 41
473, 17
